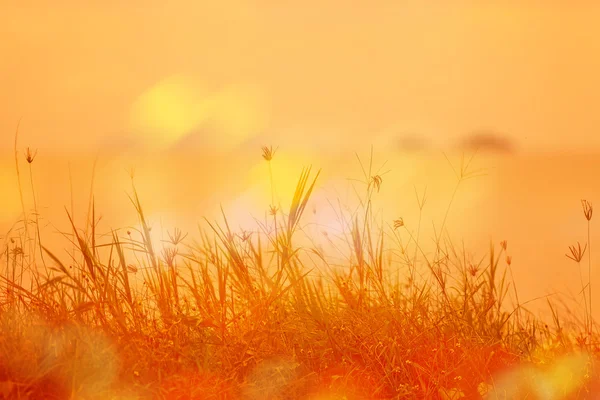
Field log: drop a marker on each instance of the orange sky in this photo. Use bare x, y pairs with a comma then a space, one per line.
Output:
326, 70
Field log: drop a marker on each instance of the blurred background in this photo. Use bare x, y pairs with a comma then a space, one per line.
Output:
186, 94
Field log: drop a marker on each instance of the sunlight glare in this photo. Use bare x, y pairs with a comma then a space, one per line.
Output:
179, 106
167, 111
560, 379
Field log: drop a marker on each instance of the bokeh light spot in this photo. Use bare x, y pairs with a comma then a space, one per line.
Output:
168, 111
179, 106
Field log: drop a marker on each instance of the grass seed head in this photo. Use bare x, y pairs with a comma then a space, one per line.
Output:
398, 223
169, 256
376, 182
268, 153
473, 269
177, 237
576, 252
30, 155
587, 209
245, 235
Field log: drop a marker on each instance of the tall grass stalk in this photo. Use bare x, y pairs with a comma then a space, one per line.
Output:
25, 223
29, 157
588, 211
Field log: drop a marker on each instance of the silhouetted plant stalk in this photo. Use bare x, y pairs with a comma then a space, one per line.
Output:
19, 181
576, 255
30, 157
421, 203
462, 175
362, 240
503, 248
268, 154
588, 210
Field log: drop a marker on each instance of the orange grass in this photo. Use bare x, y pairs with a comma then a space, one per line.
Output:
243, 315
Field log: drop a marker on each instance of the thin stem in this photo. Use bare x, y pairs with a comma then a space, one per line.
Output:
516, 296
590, 276
274, 214
19, 179
585, 301
272, 186
37, 220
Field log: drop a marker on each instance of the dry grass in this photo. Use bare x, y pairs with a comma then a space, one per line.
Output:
242, 315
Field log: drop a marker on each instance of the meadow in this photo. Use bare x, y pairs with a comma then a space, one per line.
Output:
362, 305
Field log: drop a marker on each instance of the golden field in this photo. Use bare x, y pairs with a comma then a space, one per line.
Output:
422, 227
251, 277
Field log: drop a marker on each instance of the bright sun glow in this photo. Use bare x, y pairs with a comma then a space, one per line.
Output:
285, 170
168, 111
178, 106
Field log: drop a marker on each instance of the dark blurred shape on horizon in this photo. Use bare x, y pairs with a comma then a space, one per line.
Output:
488, 141
413, 143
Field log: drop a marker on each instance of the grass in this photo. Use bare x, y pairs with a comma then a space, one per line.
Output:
244, 315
